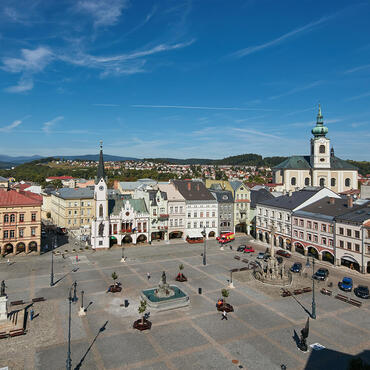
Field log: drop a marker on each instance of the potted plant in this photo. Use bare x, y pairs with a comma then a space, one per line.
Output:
116, 286
143, 323
223, 306
180, 276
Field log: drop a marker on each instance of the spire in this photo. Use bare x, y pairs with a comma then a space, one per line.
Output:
319, 130
101, 172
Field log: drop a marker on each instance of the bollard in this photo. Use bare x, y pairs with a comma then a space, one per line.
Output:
126, 303
199, 290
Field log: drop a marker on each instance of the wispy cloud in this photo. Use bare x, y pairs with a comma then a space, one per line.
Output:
197, 107
359, 68
300, 111
103, 12
24, 84
255, 132
49, 124
106, 105
10, 127
298, 31
312, 123
297, 89
365, 95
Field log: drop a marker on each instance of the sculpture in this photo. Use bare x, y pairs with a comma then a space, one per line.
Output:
101, 229
302, 344
2, 293
164, 278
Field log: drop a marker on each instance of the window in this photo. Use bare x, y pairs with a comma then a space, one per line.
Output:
88, 204
189, 214
21, 217
293, 181
189, 225
323, 241
33, 231
332, 181
357, 234
69, 204
171, 209
82, 212
171, 222
341, 243
322, 182
357, 247
21, 233
347, 182
6, 234
69, 212
82, 204
349, 232
176, 209
201, 214
296, 221
213, 214
75, 204
280, 215
100, 242
195, 224
295, 233
309, 224
213, 223
368, 249
154, 212
331, 229
75, 212
180, 209
69, 222
11, 234
322, 149
309, 237
349, 245
330, 242
307, 181
288, 218
315, 238
323, 228
201, 224
175, 221
101, 210
272, 213
207, 223
207, 214
301, 235
341, 231
180, 221
12, 218
195, 214
301, 223
6, 218
315, 226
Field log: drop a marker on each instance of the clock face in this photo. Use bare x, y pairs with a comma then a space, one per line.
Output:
127, 213
101, 188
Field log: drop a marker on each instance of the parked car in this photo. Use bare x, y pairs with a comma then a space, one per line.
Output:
248, 249
346, 284
297, 267
321, 274
241, 248
282, 252
261, 255
362, 291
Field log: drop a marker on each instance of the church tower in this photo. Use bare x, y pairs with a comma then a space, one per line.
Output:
320, 144
100, 224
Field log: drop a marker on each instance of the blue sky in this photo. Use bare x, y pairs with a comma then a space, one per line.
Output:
175, 78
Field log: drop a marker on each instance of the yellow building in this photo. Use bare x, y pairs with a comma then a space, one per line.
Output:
20, 222
320, 168
72, 208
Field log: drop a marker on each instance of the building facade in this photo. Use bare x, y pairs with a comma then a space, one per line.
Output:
225, 203
20, 222
242, 199
320, 168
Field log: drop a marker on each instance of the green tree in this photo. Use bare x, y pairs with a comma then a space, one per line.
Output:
181, 267
225, 293
114, 277
142, 309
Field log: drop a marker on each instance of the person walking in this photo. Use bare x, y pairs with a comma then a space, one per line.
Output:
32, 313
224, 315
148, 275
8, 261
76, 258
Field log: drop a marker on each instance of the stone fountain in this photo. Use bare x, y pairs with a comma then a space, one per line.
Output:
274, 273
165, 296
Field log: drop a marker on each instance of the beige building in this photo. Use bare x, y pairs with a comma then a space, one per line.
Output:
3, 182
20, 222
72, 208
320, 168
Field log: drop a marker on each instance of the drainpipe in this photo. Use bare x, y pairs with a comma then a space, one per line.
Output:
363, 269
335, 242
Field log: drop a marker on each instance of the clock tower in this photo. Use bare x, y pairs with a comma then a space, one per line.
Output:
100, 224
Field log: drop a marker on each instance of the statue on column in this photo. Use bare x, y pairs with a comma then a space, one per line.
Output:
2, 292
101, 229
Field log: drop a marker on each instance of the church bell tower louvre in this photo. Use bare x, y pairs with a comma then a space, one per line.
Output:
100, 224
320, 144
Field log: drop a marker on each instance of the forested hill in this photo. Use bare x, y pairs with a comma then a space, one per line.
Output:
236, 160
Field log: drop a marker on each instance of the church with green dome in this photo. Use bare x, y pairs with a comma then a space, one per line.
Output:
320, 168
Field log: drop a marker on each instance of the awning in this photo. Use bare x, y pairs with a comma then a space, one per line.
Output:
194, 233
350, 259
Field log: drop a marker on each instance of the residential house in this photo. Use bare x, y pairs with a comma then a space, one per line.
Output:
225, 203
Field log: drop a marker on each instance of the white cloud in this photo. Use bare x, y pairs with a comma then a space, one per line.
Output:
297, 89
301, 30
24, 84
359, 68
10, 127
195, 107
49, 124
103, 12
365, 95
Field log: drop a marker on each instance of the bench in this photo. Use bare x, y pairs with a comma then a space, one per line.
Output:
16, 333
244, 269
307, 289
341, 297
297, 291
245, 260
39, 299
355, 302
237, 257
15, 303
326, 291
286, 293
3, 335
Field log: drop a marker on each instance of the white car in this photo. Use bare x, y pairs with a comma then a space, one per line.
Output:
261, 255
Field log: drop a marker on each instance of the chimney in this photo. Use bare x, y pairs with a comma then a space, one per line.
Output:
332, 200
350, 201
189, 185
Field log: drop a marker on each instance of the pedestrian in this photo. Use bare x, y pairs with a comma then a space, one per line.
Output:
231, 247
32, 312
8, 262
76, 258
148, 275
224, 315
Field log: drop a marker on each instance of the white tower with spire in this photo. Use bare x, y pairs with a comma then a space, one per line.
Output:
100, 224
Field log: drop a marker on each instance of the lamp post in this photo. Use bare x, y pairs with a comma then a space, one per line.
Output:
69, 360
313, 315
123, 257
74, 298
52, 264
204, 233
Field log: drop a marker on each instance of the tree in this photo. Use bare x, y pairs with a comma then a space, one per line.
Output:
114, 277
142, 309
225, 294
181, 267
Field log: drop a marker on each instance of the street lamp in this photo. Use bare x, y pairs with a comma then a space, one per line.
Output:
123, 257
74, 299
69, 360
52, 264
204, 233
313, 315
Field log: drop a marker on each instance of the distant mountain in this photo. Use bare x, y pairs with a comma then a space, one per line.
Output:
7, 165
18, 160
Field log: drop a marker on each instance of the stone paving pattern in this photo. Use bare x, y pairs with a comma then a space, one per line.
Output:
259, 334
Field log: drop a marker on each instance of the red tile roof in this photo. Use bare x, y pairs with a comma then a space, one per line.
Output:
60, 178
13, 198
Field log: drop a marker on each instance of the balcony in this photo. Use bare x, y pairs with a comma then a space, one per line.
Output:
126, 231
163, 216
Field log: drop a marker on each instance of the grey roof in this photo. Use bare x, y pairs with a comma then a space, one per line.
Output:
326, 208
132, 185
3, 179
358, 215
153, 196
115, 205
300, 162
77, 193
193, 190
235, 184
291, 201
259, 196
222, 196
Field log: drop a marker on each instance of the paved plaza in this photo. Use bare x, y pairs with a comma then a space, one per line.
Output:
260, 334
